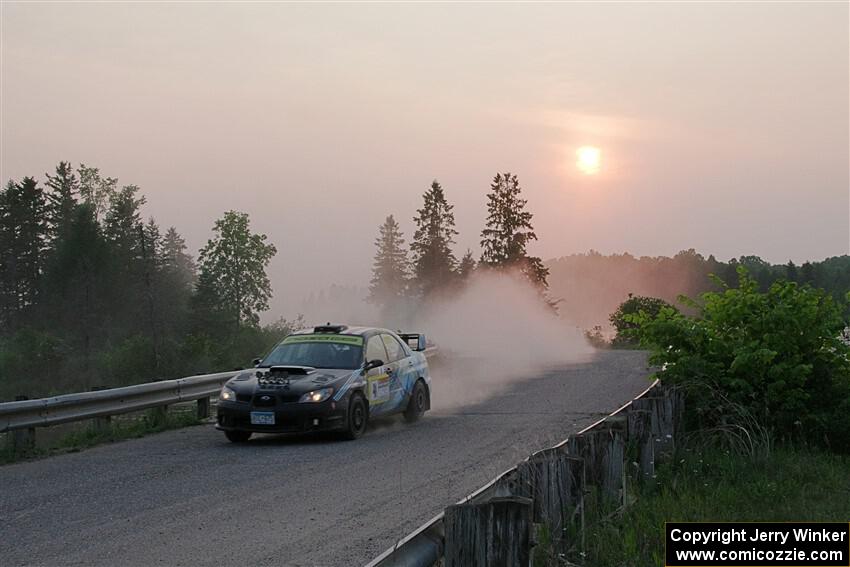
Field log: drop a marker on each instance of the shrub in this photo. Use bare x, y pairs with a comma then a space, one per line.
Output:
776, 354
622, 320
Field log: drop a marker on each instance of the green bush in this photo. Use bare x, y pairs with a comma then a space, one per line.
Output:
622, 318
777, 355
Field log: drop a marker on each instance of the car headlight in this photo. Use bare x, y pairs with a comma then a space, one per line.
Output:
317, 395
227, 395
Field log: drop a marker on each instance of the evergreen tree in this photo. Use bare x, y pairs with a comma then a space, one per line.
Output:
233, 283
509, 230
390, 270
61, 199
79, 284
121, 225
791, 271
23, 242
466, 266
176, 260
433, 260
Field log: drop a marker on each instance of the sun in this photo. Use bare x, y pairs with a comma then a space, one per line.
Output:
588, 160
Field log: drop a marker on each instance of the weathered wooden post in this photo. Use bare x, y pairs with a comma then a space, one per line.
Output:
640, 435
554, 481
603, 452
495, 533
204, 407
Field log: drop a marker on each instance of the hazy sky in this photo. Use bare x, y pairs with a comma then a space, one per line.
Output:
722, 127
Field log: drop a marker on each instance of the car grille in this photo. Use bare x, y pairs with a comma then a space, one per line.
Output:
272, 400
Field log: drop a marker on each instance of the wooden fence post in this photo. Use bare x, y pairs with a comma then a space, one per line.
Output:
495, 533
554, 481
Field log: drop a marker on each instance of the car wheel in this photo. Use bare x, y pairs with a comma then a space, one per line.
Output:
358, 415
237, 436
418, 402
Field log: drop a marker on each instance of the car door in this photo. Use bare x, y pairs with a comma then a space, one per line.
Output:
378, 379
397, 357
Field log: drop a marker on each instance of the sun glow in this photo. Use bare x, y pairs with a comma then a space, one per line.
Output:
588, 160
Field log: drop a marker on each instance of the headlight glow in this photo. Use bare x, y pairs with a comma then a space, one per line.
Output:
227, 395
317, 395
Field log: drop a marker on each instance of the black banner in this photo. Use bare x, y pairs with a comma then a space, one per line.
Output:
757, 544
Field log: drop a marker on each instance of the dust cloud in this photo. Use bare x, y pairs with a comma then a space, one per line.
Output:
495, 333
491, 334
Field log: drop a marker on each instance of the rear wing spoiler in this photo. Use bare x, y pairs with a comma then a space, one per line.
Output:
416, 341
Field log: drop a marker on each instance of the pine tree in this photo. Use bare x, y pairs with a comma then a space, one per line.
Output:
390, 270
62, 197
433, 260
509, 230
175, 259
23, 245
79, 283
121, 225
466, 266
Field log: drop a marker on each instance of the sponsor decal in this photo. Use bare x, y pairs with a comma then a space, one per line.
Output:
353, 340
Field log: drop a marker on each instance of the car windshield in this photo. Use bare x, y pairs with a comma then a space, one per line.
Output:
315, 354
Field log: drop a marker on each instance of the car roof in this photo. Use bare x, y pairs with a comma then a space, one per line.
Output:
355, 330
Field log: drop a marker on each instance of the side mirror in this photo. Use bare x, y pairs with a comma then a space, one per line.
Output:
257, 362
375, 363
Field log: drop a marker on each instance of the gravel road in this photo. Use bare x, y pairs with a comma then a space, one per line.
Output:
188, 497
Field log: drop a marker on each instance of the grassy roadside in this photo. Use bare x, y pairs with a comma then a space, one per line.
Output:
121, 428
713, 485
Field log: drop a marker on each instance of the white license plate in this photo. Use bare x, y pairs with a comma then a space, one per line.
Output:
262, 418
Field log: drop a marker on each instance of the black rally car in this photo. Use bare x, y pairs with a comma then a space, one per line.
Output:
330, 378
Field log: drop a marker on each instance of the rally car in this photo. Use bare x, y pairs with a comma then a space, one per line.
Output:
329, 378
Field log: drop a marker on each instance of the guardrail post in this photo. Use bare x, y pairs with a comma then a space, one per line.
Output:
102, 423
496, 533
204, 407
159, 414
22, 440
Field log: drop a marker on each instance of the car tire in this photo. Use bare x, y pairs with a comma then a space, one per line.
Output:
237, 436
356, 418
417, 404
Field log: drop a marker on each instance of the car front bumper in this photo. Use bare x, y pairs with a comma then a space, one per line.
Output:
289, 418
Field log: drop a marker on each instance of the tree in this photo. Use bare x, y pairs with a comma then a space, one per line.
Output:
61, 198
175, 259
433, 260
509, 230
391, 268
233, 280
96, 190
121, 225
23, 241
622, 318
466, 266
79, 282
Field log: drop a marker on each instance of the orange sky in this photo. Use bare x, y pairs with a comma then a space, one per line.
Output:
723, 127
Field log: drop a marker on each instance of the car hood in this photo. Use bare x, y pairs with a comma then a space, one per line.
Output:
294, 379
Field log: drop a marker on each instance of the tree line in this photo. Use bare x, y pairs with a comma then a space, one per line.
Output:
591, 286
92, 294
429, 267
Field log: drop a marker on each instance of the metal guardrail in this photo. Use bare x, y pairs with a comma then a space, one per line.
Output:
424, 546
28, 414
43, 412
